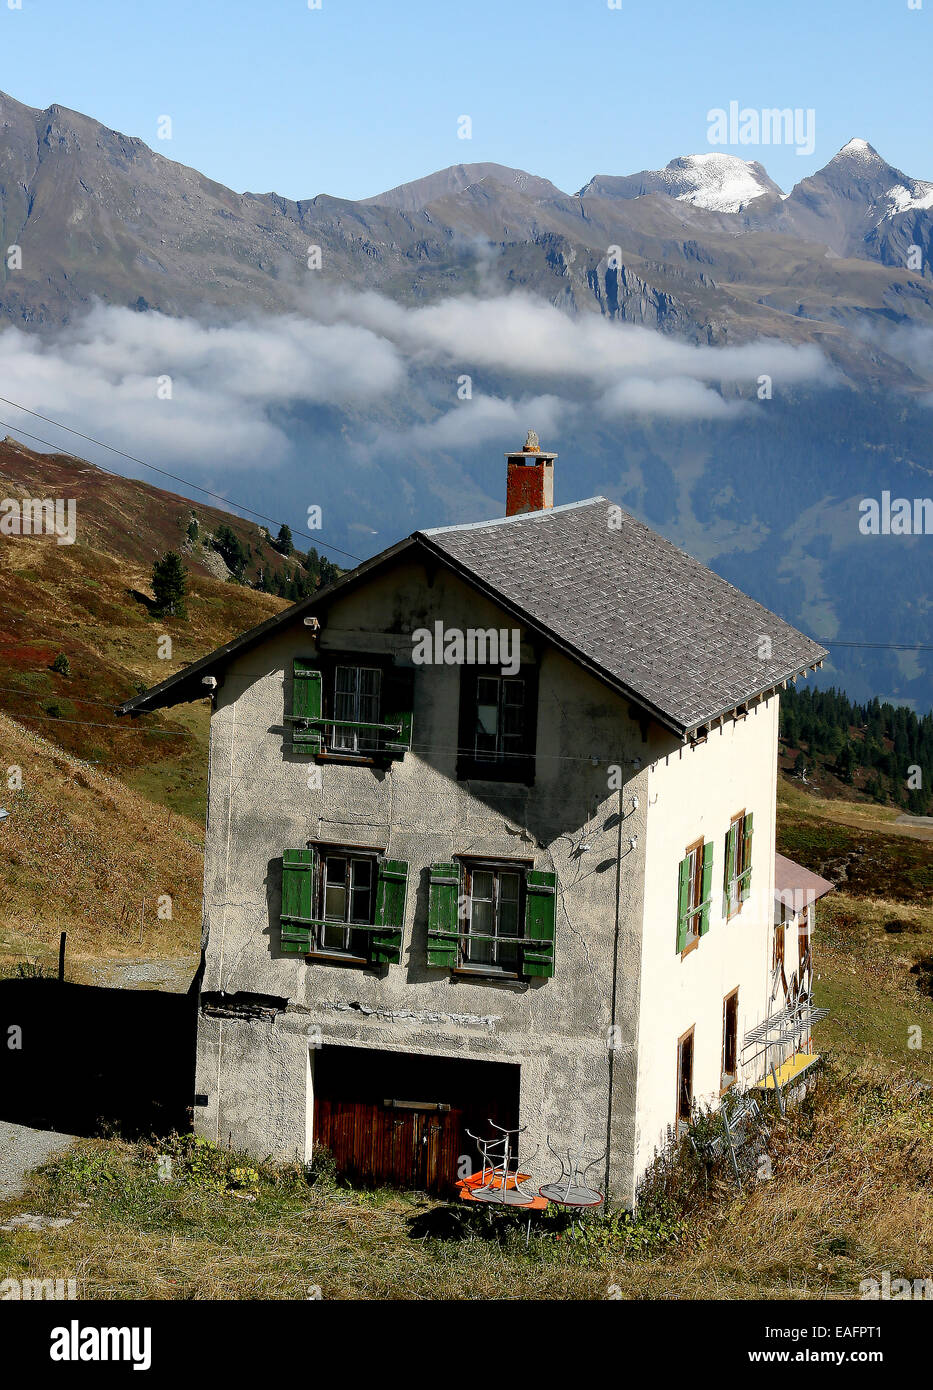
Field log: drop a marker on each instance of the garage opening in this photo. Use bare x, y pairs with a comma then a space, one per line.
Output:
401, 1119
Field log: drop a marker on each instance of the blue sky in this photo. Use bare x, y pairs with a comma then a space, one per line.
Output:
360, 95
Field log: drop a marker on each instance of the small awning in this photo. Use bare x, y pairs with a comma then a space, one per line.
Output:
796, 887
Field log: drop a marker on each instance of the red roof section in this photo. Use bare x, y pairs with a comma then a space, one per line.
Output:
796, 886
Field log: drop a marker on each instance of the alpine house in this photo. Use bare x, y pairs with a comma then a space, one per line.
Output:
490, 837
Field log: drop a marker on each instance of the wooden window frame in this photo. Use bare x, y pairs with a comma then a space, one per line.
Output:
332, 733
804, 944
506, 767
323, 852
779, 953
739, 866
695, 908
468, 865
679, 1119
329, 662
731, 998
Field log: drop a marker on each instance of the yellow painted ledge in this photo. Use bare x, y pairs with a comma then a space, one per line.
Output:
788, 1072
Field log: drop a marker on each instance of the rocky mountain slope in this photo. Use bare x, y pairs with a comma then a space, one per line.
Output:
706, 243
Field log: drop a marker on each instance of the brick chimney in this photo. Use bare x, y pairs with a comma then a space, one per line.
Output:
530, 479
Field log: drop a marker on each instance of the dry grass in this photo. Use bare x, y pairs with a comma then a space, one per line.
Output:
869, 959
91, 602
794, 799
851, 1195
84, 854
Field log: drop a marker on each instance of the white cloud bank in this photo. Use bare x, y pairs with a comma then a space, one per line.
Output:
233, 385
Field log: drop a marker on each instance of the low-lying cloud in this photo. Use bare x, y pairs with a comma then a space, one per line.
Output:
216, 398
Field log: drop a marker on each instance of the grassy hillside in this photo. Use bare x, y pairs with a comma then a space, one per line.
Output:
108, 819
874, 945
83, 853
92, 602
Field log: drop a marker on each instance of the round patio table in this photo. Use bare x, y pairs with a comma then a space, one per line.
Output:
488, 1189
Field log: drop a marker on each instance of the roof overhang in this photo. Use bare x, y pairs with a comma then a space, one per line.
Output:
194, 682
189, 683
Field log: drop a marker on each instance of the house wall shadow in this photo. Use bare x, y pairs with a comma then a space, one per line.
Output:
91, 1058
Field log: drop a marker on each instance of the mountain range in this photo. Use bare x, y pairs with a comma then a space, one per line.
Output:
709, 254
707, 243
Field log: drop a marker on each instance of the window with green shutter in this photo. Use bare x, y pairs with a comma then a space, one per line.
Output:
443, 916
351, 706
306, 706
343, 905
492, 918
737, 874
694, 894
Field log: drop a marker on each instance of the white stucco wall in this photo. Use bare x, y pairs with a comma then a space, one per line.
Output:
694, 792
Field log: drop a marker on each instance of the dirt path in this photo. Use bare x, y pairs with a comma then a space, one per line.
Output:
174, 975
22, 1149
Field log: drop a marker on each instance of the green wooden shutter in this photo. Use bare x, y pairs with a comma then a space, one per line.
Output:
729, 870
540, 905
307, 686
386, 945
707, 886
297, 901
683, 903
443, 917
746, 882
397, 701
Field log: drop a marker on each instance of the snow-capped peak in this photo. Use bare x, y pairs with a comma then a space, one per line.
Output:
902, 194
715, 182
857, 146
718, 182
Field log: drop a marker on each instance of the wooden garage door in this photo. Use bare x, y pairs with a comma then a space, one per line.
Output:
402, 1119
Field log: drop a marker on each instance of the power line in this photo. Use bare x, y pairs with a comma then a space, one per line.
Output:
119, 728
231, 502
887, 646
54, 695
89, 438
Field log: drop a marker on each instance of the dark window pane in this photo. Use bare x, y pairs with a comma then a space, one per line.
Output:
361, 891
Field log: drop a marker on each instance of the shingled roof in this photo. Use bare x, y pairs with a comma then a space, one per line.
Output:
641, 614
682, 640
